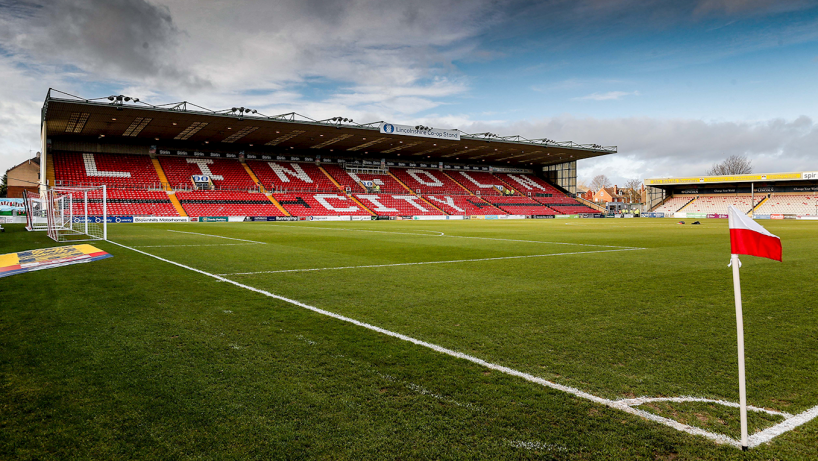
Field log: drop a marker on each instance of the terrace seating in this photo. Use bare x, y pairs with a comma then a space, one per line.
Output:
478, 182
573, 209
386, 183
291, 177
227, 203
126, 203
396, 205
428, 181
329, 204
466, 205
226, 174
520, 205
538, 189
790, 204
673, 204
114, 170
717, 204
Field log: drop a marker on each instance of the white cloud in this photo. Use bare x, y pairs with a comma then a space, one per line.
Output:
609, 96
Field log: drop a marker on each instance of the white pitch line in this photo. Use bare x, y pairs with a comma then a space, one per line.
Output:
540, 241
441, 234
202, 245
428, 262
756, 439
643, 400
217, 236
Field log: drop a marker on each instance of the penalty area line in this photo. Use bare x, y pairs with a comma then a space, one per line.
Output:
217, 236
453, 261
622, 405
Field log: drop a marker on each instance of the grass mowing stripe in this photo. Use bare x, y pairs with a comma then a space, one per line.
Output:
509, 371
431, 262
217, 236
441, 234
200, 245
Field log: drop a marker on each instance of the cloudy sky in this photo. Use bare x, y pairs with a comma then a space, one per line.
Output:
675, 85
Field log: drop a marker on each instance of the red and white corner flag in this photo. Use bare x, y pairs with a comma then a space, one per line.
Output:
747, 237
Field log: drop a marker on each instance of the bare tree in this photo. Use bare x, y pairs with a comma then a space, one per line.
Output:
734, 164
599, 182
632, 190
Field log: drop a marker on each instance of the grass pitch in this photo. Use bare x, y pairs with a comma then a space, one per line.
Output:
132, 357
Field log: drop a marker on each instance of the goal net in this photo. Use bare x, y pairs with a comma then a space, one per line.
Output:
35, 207
77, 213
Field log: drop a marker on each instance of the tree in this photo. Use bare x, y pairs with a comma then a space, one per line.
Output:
734, 164
4, 185
599, 182
632, 190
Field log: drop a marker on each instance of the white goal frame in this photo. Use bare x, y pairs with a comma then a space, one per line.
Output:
68, 217
35, 211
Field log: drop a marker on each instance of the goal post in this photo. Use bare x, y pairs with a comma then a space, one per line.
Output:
35, 207
77, 213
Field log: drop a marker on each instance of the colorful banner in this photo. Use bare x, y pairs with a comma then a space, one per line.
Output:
46, 258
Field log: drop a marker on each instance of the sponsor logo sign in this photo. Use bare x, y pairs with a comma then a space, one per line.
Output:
566, 216
776, 216
47, 258
155, 219
213, 219
716, 216
434, 133
542, 216
809, 175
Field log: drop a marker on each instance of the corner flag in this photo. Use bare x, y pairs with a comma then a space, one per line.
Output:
747, 237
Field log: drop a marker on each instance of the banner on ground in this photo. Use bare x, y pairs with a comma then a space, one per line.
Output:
47, 258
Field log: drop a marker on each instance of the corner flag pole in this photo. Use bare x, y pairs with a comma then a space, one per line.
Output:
742, 390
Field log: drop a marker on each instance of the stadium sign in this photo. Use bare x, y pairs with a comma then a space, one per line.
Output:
157, 219
434, 133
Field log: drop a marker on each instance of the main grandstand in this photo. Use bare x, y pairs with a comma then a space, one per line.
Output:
763, 196
181, 161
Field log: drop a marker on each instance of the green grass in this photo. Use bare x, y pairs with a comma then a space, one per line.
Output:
131, 357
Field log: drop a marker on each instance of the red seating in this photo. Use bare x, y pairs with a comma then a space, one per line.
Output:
428, 181
125, 203
114, 170
226, 203
291, 177
384, 181
537, 188
478, 182
396, 205
572, 209
329, 204
520, 205
226, 174
463, 205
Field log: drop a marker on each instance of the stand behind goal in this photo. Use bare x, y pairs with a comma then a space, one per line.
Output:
77, 213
